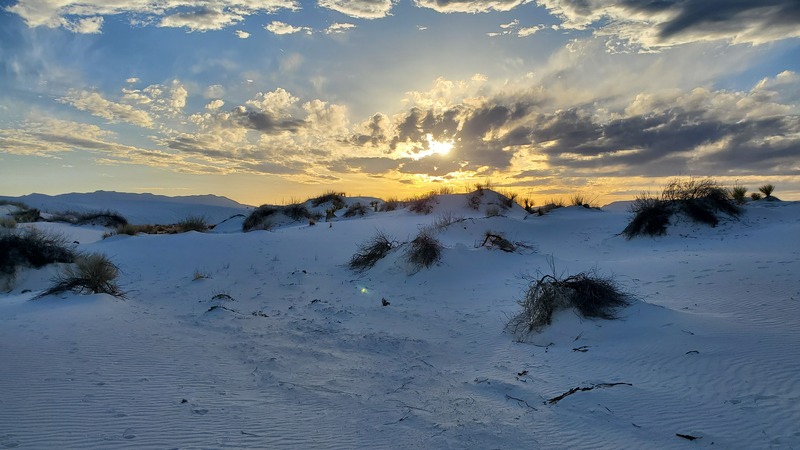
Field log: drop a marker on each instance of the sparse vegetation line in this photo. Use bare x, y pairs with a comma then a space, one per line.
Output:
558, 398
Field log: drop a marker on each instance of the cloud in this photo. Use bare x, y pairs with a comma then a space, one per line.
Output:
132, 80
672, 22
215, 104
469, 6
96, 105
277, 27
242, 34
360, 9
338, 28
89, 25
86, 16
214, 91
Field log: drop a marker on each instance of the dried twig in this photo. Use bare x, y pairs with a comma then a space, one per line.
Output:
557, 399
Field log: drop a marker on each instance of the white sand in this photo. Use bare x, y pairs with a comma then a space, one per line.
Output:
710, 349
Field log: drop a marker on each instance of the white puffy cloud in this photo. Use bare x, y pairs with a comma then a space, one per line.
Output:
338, 28
242, 34
96, 105
86, 16
215, 104
469, 6
361, 9
277, 27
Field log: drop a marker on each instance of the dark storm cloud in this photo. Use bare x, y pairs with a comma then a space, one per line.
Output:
669, 22
265, 122
365, 164
667, 141
721, 15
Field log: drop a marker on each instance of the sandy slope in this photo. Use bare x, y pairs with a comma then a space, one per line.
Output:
305, 355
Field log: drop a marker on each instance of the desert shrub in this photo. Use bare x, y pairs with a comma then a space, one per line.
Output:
371, 252
335, 198
475, 198
700, 200
257, 220
93, 274
391, 204
445, 190
356, 209
193, 223
445, 219
508, 198
32, 248
651, 217
297, 212
27, 215
738, 194
108, 218
423, 204
767, 190
755, 196
527, 204
424, 251
591, 295
578, 200
497, 240
493, 211
8, 222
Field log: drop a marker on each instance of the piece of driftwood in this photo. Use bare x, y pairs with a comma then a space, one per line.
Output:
557, 399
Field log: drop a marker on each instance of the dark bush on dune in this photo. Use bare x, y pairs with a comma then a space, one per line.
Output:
371, 252
651, 217
356, 209
335, 198
32, 248
258, 219
702, 201
106, 218
193, 223
592, 296
424, 251
298, 212
27, 215
92, 274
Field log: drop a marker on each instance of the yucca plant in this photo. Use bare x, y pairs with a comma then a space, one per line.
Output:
767, 190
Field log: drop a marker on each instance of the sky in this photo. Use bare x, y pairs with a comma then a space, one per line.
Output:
273, 101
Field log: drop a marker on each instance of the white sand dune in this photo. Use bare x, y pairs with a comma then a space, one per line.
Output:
304, 355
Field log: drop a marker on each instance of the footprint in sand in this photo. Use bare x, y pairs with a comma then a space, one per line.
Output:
8, 441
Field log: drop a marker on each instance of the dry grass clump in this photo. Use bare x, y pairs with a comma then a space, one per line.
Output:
8, 222
258, 219
591, 295
193, 223
701, 200
335, 198
767, 190
424, 251
27, 215
651, 217
391, 204
356, 209
92, 274
107, 218
497, 240
298, 212
32, 248
371, 252
423, 204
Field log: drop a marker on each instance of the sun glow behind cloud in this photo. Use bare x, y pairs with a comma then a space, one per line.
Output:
434, 147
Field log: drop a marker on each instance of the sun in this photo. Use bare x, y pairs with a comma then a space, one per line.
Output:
434, 147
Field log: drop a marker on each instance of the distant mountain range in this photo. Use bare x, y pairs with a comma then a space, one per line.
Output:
138, 208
